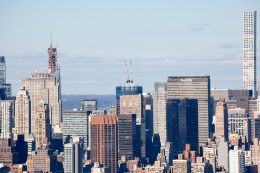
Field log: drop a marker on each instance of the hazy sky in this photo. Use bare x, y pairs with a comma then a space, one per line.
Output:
162, 38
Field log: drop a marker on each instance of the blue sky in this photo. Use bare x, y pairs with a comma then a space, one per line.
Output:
162, 38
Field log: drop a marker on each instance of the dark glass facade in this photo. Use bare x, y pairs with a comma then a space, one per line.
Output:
182, 123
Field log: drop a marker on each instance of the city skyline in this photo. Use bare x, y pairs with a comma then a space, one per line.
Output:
173, 41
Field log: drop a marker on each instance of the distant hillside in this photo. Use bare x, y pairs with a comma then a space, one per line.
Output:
73, 101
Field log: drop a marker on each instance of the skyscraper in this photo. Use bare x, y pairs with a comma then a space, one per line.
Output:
42, 126
221, 122
129, 88
75, 125
182, 124
159, 110
236, 160
46, 86
104, 141
133, 104
6, 118
73, 155
22, 114
127, 136
249, 51
194, 87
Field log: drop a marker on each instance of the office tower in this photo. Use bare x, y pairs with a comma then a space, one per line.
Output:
75, 125
104, 147
21, 149
22, 114
222, 155
73, 155
194, 87
31, 146
221, 121
126, 136
42, 125
182, 123
89, 104
147, 125
236, 160
249, 51
6, 118
44, 86
2, 70
159, 110
41, 161
6, 155
255, 152
239, 122
133, 104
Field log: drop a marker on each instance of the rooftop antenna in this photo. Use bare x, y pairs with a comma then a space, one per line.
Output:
51, 40
131, 72
126, 70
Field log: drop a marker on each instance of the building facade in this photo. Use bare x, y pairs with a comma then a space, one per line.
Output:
159, 111
182, 124
44, 86
221, 121
236, 160
104, 147
127, 136
22, 114
75, 125
194, 87
6, 118
249, 51
42, 126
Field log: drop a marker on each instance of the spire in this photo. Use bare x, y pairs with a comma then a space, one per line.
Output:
51, 41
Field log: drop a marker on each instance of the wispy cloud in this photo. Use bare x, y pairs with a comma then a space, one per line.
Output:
227, 46
197, 27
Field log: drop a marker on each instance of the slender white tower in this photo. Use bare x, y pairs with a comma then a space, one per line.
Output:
249, 51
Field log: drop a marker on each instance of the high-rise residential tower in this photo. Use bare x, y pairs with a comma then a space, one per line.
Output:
249, 51
104, 140
159, 110
22, 114
194, 87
